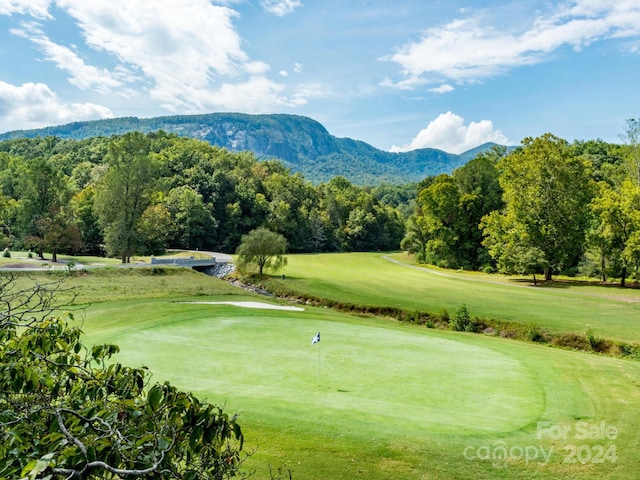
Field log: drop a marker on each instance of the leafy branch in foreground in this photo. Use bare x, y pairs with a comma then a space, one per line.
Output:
22, 307
67, 411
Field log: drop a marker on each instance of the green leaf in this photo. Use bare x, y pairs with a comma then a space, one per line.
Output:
91, 453
154, 397
28, 467
146, 439
35, 467
96, 352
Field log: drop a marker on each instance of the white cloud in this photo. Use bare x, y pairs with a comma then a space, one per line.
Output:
445, 88
449, 133
409, 83
187, 56
35, 8
174, 43
184, 50
256, 68
280, 7
256, 94
297, 67
82, 75
471, 49
310, 90
33, 105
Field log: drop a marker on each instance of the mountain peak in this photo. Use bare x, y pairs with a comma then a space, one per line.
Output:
301, 143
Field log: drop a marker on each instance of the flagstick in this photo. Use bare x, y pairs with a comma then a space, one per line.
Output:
318, 363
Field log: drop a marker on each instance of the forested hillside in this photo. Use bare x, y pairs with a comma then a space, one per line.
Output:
300, 143
547, 207
139, 194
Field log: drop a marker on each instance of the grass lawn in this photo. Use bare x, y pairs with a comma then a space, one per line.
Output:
30, 259
376, 399
377, 280
113, 283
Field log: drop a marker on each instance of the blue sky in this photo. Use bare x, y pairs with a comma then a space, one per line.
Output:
396, 74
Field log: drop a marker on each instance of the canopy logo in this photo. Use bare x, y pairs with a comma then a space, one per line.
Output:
597, 446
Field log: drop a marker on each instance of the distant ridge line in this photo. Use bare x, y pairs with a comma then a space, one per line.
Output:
301, 143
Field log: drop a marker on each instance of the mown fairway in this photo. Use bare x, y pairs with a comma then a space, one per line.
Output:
376, 280
376, 399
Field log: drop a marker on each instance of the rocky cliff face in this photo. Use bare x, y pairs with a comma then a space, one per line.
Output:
290, 138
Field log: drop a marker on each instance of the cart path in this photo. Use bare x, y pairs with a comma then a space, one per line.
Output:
619, 298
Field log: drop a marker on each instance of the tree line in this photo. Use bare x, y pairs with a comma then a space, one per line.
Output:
139, 194
547, 207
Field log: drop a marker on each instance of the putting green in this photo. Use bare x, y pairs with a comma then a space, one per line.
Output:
377, 399
381, 374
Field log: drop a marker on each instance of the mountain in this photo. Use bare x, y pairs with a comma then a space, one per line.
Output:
301, 143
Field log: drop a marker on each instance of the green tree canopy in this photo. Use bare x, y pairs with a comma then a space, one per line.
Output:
617, 216
263, 249
194, 223
547, 190
123, 194
42, 190
443, 229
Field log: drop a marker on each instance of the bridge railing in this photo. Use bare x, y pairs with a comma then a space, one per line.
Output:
183, 261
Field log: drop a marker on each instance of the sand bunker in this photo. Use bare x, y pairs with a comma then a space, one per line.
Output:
267, 306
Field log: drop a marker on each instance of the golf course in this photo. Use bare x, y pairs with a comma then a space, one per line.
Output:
376, 398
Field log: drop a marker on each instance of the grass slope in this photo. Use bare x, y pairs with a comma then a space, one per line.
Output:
374, 280
386, 400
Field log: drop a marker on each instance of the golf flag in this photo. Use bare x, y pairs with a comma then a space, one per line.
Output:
315, 339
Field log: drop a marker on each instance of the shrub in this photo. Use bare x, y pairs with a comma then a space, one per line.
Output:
594, 343
6, 253
571, 340
69, 411
461, 321
533, 333
631, 351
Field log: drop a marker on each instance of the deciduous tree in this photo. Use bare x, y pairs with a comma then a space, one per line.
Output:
547, 190
156, 229
195, 225
124, 192
43, 191
617, 215
631, 138
263, 249
58, 234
